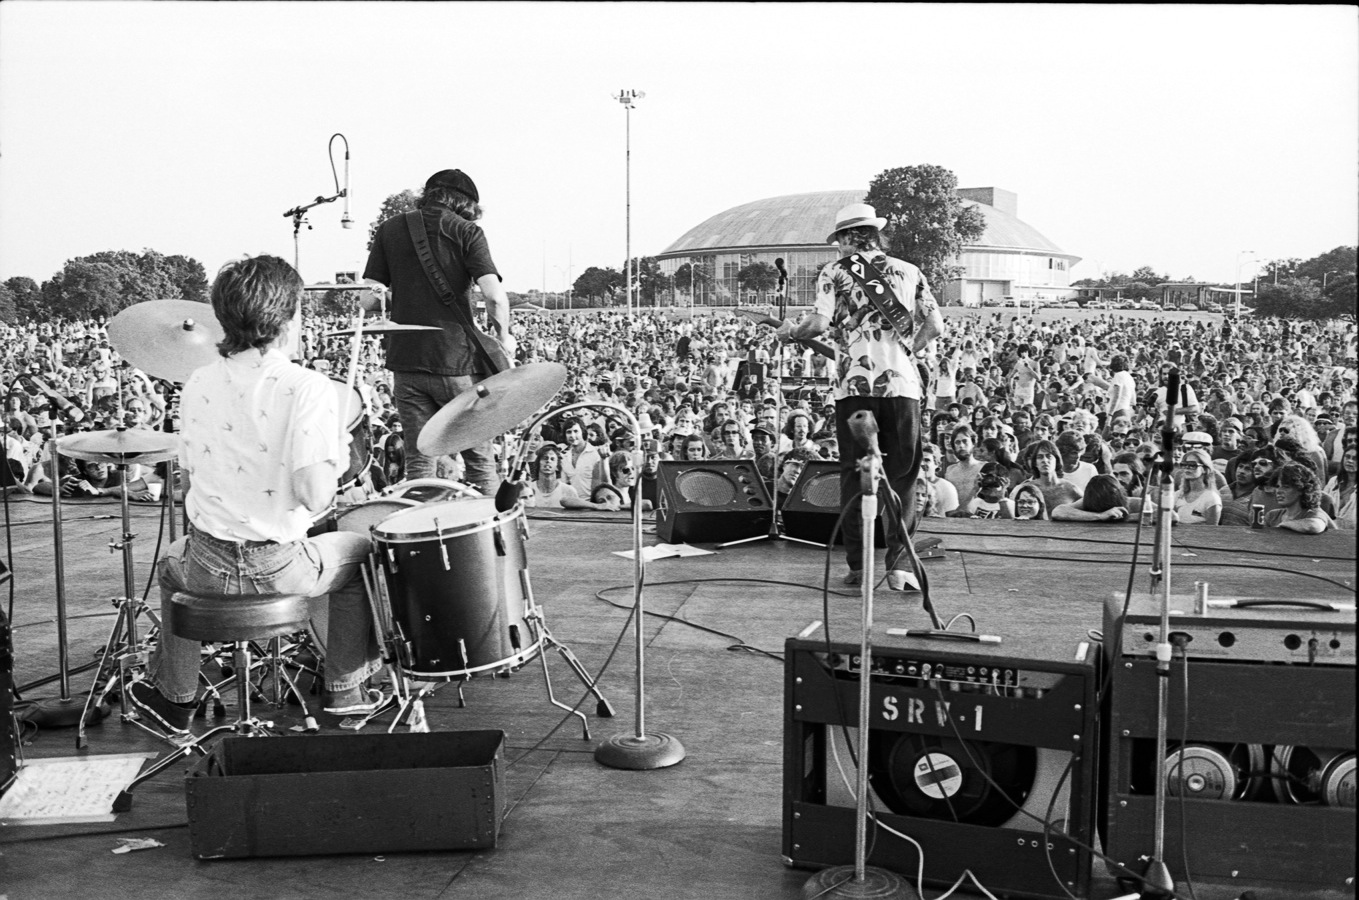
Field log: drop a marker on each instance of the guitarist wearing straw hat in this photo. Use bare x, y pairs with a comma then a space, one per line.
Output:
880, 313
431, 260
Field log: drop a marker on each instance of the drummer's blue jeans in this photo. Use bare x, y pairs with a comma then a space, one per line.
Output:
418, 396
325, 564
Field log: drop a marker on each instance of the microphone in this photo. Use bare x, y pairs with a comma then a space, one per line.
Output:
34, 383
864, 427
507, 495
345, 221
1168, 433
783, 273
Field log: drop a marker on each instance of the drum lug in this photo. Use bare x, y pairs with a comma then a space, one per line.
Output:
391, 560
443, 551
499, 540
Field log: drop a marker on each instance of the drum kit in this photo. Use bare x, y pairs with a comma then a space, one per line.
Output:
448, 577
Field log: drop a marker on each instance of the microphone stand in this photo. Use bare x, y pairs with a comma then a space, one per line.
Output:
297, 213
640, 749
860, 880
1157, 880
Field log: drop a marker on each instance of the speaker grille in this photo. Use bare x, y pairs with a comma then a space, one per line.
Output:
705, 487
823, 490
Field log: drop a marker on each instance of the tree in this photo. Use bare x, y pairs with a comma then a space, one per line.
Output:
758, 276
107, 282
8, 312
683, 279
27, 297
1291, 298
1148, 275
1339, 299
394, 205
927, 224
649, 281
598, 284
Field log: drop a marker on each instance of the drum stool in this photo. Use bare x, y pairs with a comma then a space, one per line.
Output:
234, 619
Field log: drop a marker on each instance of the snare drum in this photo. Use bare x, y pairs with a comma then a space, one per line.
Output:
457, 577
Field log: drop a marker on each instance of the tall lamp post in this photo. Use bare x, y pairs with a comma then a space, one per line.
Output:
1324, 276
627, 98
1239, 262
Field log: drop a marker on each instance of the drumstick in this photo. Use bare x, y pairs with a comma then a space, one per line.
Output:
353, 375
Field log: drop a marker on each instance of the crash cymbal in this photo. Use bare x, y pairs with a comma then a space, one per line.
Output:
382, 326
496, 405
166, 338
120, 445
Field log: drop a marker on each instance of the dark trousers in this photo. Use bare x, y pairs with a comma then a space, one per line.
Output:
900, 440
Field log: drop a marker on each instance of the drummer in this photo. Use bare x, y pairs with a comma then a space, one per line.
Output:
263, 448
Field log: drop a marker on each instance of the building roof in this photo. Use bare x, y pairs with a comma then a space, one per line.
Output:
800, 220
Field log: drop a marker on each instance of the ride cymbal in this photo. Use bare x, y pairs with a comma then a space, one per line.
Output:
492, 408
166, 338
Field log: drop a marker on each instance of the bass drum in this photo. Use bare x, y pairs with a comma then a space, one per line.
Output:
355, 419
457, 576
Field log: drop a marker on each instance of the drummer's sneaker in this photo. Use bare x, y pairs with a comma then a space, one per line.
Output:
355, 701
171, 718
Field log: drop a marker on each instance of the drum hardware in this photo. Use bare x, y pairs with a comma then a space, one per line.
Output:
395, 653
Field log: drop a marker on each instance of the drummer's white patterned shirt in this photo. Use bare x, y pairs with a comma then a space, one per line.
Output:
249, 421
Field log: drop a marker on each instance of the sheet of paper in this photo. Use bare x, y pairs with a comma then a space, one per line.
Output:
69, 789
662, 551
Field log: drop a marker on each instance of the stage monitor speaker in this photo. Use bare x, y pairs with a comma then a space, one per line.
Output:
1265, 758
812, 506
972, 750
711, 501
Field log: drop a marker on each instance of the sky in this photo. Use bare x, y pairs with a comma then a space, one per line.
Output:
1166, 135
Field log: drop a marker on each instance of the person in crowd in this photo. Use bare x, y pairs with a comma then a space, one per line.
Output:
695, 448
926, 500
946, 494
990, 501
549, 489
1341, 490
1075, 470
1103, 501
580, 458
1045, 475
430, 368
1029, 503
1309, 450
964, 471
1299, 495
730, 441
1197, 501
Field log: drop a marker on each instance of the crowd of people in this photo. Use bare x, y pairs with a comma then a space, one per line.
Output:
1044, 417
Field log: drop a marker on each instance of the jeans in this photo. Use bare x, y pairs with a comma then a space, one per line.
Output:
899, 439
325, 564
418, 396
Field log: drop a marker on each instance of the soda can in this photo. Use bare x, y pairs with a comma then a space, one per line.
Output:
1257, 515
1200, 598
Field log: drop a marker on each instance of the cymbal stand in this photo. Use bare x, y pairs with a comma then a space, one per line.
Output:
538, 625
64, 710
124, 646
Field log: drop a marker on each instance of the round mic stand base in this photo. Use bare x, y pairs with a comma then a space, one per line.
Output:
655, 750
841, 881
63, 712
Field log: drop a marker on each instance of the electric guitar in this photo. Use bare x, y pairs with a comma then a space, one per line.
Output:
760, 318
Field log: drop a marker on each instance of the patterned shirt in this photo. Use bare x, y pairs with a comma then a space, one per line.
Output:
249, 422
872, 361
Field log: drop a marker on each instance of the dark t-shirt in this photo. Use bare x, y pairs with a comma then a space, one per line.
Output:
460, 247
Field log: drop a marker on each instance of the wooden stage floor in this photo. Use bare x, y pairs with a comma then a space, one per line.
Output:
707, 828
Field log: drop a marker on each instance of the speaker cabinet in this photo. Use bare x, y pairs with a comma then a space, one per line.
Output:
812, 506
971, 752
711, 501
1259, 764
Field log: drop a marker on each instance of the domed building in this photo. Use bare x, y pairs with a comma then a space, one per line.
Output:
1010, 259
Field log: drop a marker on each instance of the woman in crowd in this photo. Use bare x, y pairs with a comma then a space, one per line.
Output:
1341, 490
1197, 501
1029, 504
1299, 496
926, 500
1045, 474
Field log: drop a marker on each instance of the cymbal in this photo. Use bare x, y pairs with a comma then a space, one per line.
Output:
496, 405
119, 445
166, 338
383, 326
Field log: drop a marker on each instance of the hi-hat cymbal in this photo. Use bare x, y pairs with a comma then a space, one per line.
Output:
120, 445
494, 407
166, 338
383, 326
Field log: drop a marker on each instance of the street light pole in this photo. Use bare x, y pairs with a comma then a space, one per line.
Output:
1323, 278
627, 98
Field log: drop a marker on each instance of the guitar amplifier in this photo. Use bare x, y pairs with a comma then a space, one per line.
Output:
985, 758
1260, 762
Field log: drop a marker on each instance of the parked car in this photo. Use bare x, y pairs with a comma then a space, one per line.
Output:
1146, 304
1011, 301
1097, 304
1188, 307
1067, 304
990, 301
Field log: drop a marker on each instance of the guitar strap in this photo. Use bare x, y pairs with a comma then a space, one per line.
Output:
879, 292
415, 223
